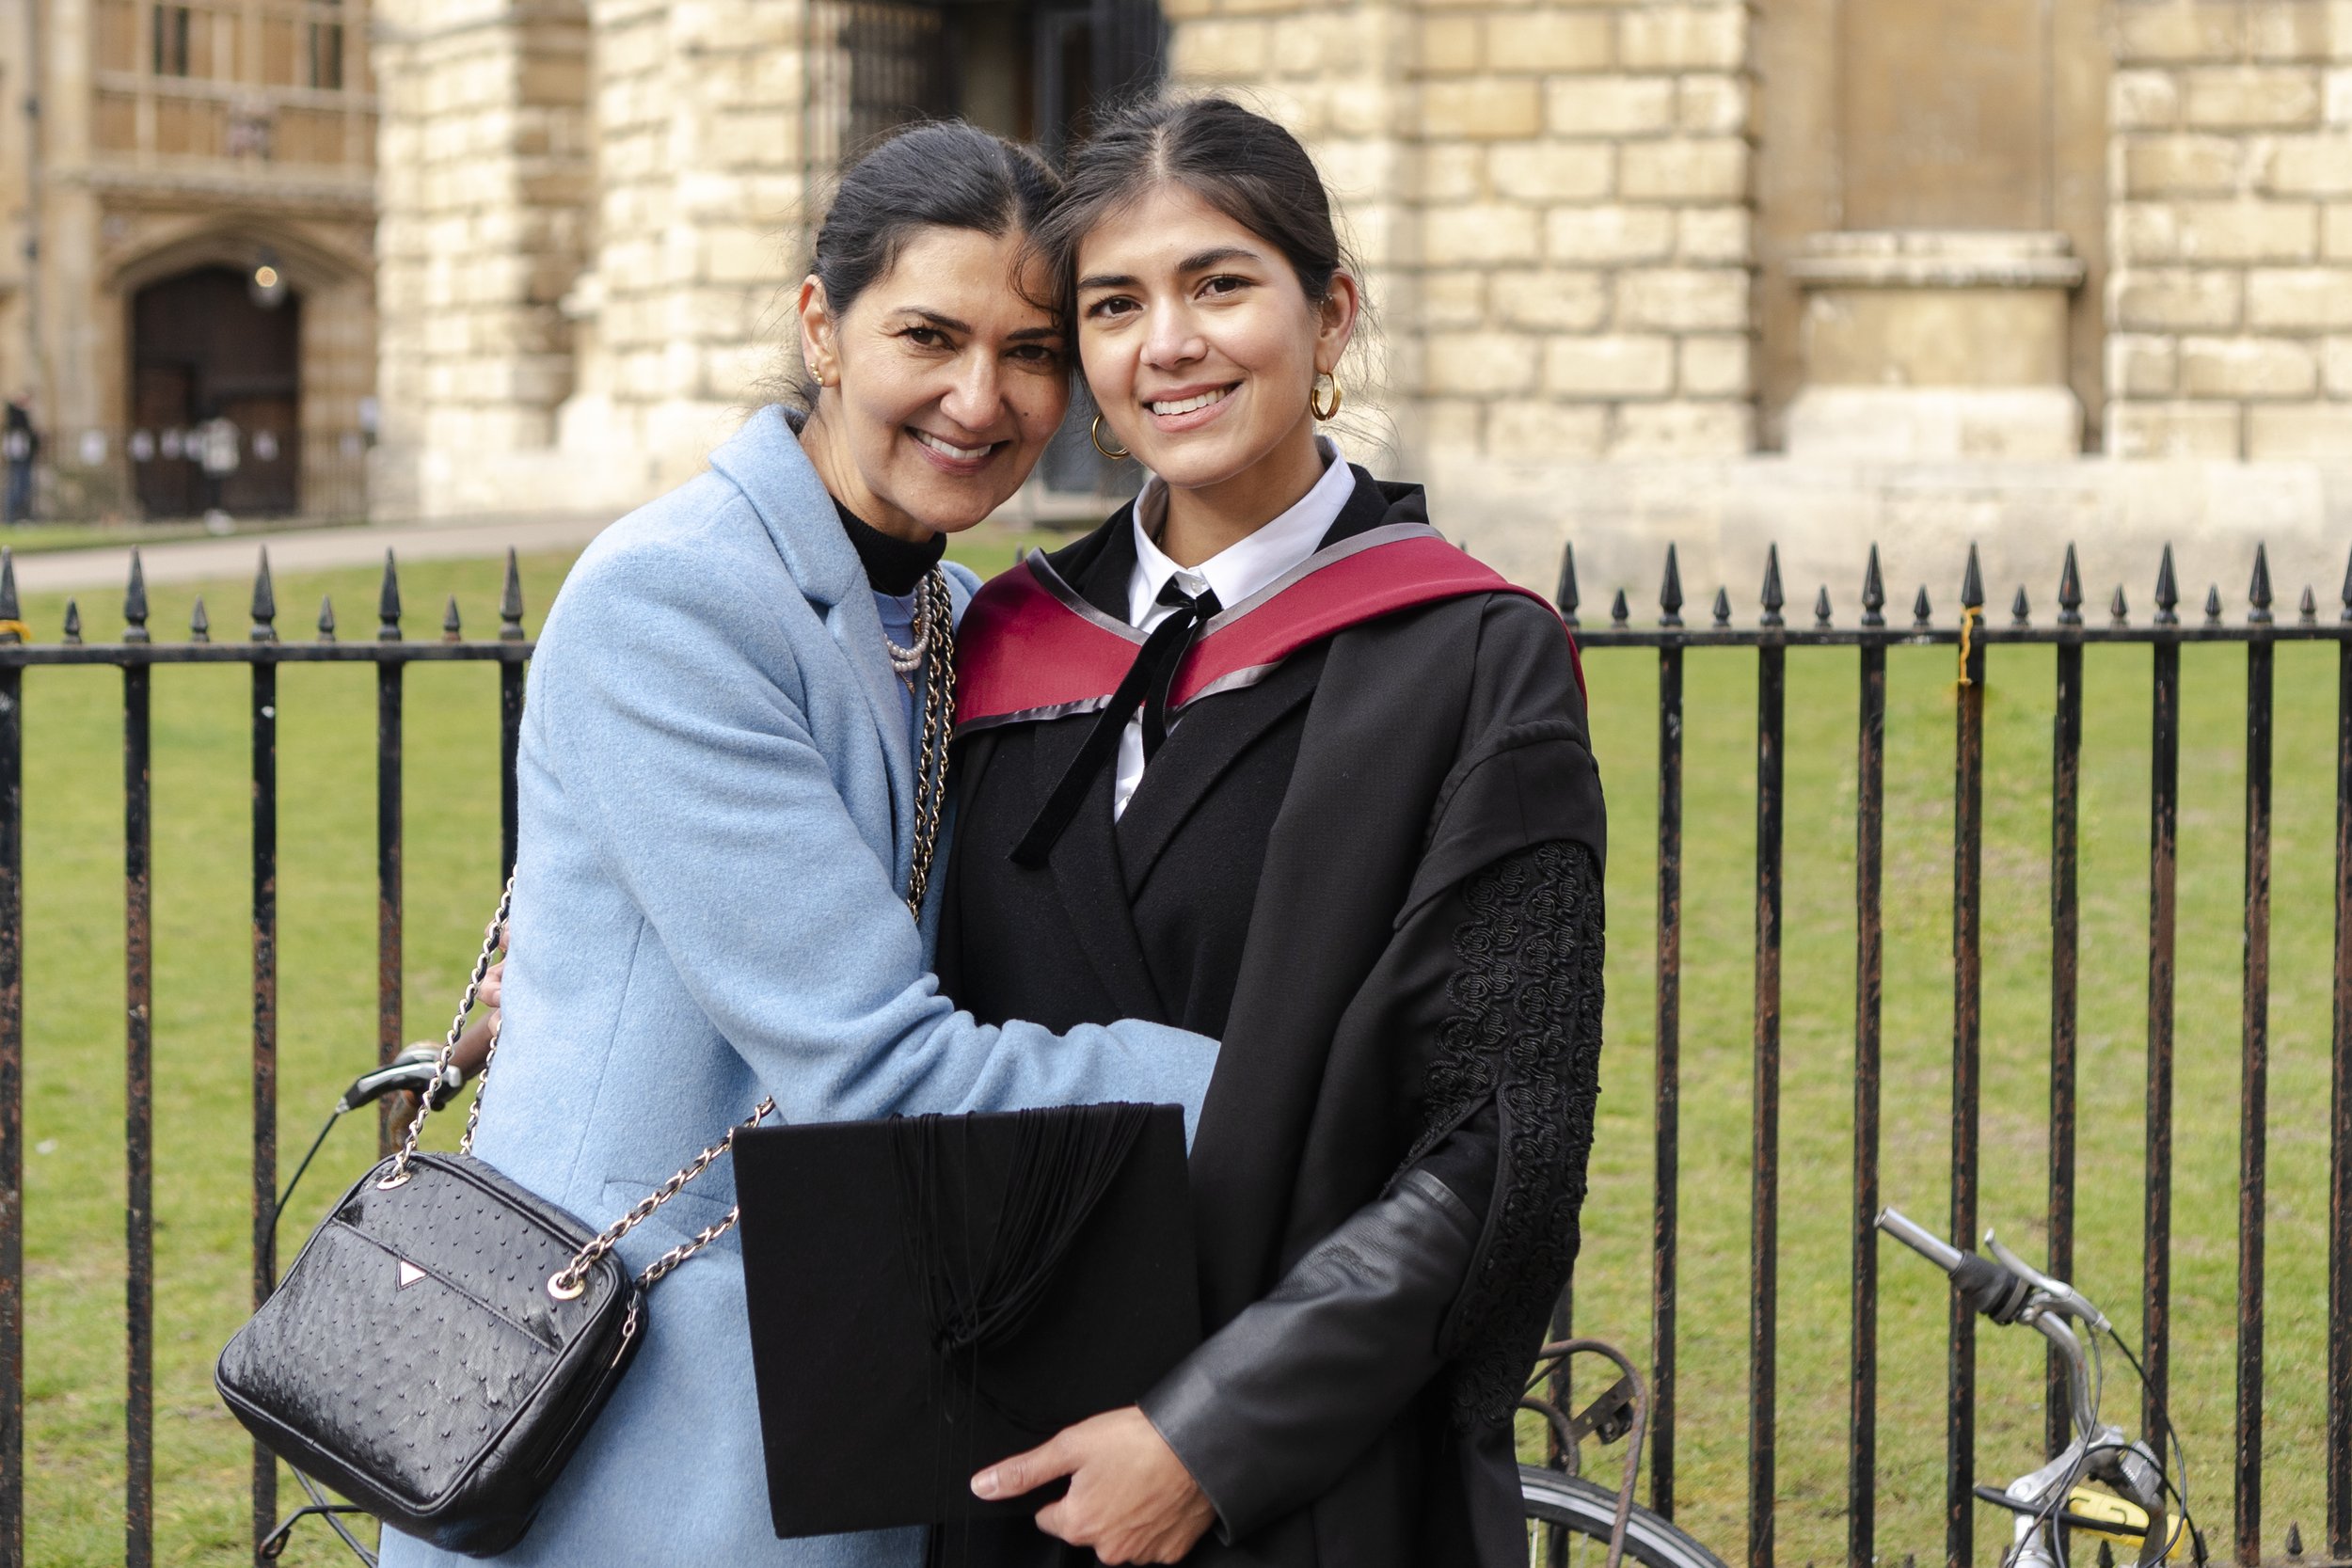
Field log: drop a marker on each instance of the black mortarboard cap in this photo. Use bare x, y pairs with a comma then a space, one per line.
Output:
930, 1294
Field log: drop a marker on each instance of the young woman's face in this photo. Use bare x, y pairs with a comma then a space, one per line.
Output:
1199, 343
940, 385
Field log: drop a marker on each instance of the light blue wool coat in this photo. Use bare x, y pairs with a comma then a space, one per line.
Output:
718, 789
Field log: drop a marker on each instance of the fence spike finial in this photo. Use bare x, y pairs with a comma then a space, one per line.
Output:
1721, 608
1873, 593
327, 617
2168, 593
9, 610
2117, 608
1619, 612
2020, 612
1921, 614
2212, 605
1670, 590
1821, 608
1972, 582
2308, 611
1565, 595
511, 601
1771, 598
2070, 596
134, 602
2347, 592
200, 624
73, 622
387, 603
264, 610
452, 630
2257, 594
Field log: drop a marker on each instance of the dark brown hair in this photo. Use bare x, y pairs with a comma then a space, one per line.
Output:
1236, 159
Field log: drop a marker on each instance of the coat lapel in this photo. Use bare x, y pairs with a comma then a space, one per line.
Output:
1086, 863
1215, 731
765, 461
1085, 870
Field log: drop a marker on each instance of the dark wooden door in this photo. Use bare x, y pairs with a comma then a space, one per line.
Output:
203, 349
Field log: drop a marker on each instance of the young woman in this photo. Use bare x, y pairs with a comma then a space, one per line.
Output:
729, 772
1264, 757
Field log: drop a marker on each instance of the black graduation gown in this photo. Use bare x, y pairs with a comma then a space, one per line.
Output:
1373, 872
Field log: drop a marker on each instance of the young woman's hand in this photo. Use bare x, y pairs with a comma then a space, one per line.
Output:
1130, 1497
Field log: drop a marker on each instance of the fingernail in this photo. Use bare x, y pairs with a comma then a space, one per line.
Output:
984, 1485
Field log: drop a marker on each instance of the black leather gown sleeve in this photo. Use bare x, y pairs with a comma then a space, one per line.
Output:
1438, 1275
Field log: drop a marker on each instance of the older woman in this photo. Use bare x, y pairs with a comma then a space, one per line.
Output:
731, 774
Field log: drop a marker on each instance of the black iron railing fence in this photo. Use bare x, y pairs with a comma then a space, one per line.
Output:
259, 648
1971, 633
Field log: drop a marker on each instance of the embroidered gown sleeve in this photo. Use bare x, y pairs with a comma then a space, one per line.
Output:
1450, 1275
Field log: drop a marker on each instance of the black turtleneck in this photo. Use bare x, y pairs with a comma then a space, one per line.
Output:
893, 567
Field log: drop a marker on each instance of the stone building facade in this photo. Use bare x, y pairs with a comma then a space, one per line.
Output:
188, 199
1827, 273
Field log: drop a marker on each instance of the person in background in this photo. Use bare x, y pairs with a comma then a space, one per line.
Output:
22, 443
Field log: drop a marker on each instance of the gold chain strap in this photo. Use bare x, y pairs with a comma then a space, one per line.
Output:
939, 704
492, 938
936, 608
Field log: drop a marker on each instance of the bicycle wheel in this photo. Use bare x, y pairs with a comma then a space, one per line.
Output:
1568, 1521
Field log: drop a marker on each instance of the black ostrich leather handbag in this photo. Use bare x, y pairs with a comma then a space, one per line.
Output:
445, 1338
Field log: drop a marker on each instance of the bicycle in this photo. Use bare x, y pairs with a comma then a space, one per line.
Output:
1563, 1509
2060, 1497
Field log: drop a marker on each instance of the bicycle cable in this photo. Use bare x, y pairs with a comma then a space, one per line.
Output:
2180, 1453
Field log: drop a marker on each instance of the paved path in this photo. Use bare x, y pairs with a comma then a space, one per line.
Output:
301, 550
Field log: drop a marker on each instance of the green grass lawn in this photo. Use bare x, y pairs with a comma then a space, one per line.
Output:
73, 1053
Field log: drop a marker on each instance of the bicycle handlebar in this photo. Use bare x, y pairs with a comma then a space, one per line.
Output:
2007, 1291
1925, 1243
415, 1071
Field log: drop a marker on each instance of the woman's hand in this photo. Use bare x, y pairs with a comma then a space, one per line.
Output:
1130, 1497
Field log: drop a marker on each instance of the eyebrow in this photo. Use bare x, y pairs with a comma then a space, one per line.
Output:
950, 324
1197, 262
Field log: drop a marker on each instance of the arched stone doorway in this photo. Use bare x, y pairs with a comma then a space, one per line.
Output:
216, 394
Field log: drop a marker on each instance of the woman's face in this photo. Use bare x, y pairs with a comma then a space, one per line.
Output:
939, 387
1199, 343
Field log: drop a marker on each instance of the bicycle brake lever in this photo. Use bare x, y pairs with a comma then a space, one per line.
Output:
2064, 1298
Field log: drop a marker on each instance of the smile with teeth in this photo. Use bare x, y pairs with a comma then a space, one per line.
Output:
959, 454
1186, 405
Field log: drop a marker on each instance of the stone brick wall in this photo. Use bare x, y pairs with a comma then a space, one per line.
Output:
2230, 307
1554, 199
583, 245
485, 176
698, 112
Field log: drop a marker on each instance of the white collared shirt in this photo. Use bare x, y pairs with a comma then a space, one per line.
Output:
1233, 574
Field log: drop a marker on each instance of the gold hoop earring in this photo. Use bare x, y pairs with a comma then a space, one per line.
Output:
1094, 434
1314, 398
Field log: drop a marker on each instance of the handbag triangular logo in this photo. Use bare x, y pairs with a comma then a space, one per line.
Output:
409, 1273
